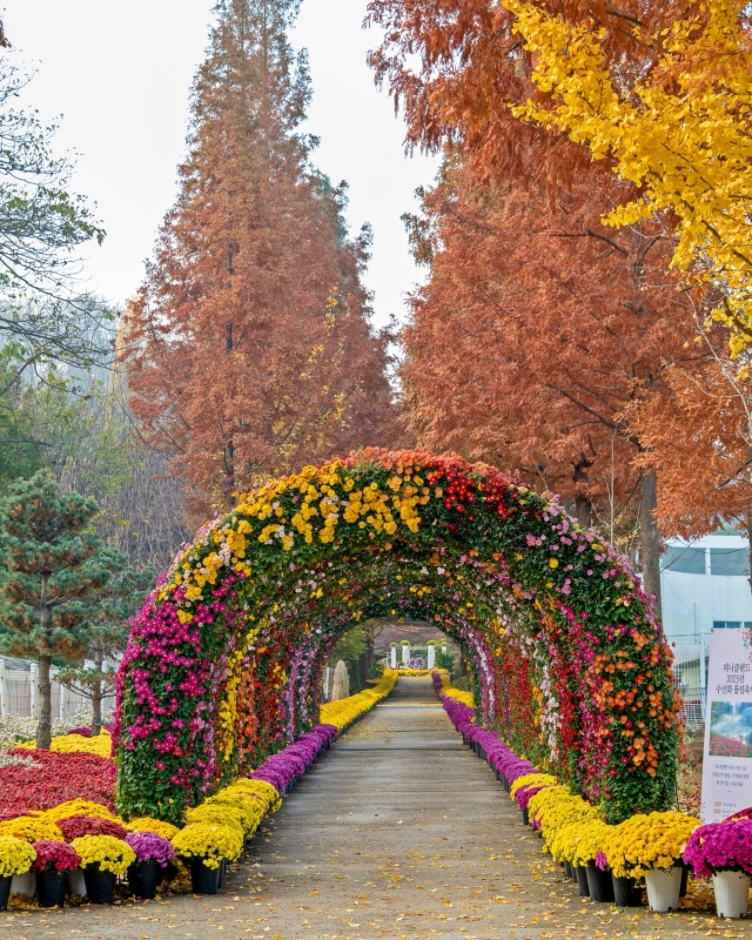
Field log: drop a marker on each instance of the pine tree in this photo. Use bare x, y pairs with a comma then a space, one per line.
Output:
54, 570
250, 345
117, 603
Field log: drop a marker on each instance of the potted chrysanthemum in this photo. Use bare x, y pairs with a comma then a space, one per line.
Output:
16, 858
153, 853
54, 860
723, 850
203, 845
103, 858
651, 846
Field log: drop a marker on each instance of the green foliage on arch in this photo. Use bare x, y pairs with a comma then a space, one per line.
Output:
224, 662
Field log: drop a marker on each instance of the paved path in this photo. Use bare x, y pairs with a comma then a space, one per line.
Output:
399, 831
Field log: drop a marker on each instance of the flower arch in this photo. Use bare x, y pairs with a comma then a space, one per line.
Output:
224, 662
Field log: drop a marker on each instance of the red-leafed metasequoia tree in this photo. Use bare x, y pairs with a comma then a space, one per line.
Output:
249, 348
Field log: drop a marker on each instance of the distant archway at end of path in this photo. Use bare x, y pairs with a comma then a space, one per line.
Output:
224, 662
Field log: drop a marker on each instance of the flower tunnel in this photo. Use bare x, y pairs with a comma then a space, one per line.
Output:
224, 662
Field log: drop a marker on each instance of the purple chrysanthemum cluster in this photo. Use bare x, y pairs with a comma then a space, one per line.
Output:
282, 770
149, 847
723, 846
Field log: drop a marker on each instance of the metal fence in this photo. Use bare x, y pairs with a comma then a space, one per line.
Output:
19, 695
693, 700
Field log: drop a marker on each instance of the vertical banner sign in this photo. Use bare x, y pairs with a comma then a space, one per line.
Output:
727, 765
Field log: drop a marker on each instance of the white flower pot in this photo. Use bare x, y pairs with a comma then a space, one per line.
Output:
663, 887
76, 883
24, 884
731, 893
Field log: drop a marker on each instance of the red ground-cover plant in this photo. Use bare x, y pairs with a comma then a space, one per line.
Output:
60, 777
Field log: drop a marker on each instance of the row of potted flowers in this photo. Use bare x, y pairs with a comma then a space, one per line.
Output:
82, 847
609, 862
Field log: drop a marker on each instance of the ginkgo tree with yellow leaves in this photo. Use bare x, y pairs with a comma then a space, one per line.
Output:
680, 132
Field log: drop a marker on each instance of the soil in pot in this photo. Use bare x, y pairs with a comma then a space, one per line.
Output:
100, 885
51, 888
204, 880
143, 879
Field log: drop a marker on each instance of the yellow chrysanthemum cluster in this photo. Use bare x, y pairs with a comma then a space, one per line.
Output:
158, 826
555, 807
101, 745
208, 841
16, 856
532, 780
32, 829
580, 842
105, 852
448, 689
345, 711
644, 842
79, 808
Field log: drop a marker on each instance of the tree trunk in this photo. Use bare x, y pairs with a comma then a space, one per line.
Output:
650, 539
44, 727
96, 696
44, 686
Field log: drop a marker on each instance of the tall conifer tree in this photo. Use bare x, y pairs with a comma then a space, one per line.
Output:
251, 350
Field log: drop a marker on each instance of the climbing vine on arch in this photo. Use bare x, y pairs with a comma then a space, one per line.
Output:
224, 662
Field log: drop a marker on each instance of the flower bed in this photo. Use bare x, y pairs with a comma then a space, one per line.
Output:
55, 778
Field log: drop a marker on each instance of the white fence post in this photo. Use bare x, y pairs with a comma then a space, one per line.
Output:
394, 657
35, 690
406, 654
431, 657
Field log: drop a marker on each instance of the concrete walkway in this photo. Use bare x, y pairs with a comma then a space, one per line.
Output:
399, 831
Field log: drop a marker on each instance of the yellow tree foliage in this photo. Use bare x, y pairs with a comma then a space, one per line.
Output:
681, 132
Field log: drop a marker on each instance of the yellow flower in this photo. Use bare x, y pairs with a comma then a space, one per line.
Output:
78, 808
209, 842
158, 826
16, 856
31, 829
105, 852
645, 842
553, 562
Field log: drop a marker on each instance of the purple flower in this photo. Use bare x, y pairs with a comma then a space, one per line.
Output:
723, 846
149, 847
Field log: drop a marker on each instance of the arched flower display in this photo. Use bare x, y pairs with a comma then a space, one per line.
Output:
224, 662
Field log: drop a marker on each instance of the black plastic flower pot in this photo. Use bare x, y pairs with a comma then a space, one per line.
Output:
582, 881
204, 880
222, 871
685, 878
626, 892
5, 891
567, 869
600, 885
51, 888
143, 879
100, 885
525, 817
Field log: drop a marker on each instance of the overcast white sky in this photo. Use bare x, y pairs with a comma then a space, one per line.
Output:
120, 74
